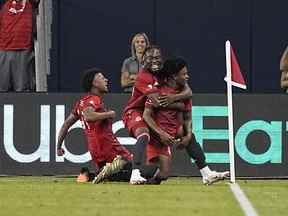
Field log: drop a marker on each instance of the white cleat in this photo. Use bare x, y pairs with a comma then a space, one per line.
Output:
215, 177
136, 177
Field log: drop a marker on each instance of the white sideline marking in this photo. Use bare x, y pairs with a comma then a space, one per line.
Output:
245, 204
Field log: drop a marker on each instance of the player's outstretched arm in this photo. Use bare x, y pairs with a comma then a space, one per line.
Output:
69, 121
90, 114
165, 101
186, 93
179, 106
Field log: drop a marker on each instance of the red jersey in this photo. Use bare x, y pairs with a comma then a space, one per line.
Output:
145, 84
101, 140
167, 119
16, 27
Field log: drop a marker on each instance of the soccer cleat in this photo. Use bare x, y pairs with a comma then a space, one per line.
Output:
109, 169
215, 177
136, 177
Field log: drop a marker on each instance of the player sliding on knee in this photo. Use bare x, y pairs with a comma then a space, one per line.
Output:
108, 155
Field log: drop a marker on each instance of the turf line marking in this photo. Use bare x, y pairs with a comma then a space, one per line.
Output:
245, 204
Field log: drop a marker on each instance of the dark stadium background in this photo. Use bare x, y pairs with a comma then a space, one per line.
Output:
97, 33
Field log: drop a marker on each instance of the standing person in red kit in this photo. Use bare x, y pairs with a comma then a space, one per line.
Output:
16, 44
107, 153
146, 87
176, 123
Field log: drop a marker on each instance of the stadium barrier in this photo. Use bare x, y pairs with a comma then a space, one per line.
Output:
29, 125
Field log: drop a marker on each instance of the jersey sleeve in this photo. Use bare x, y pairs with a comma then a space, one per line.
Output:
94, 102
82, 104
145, 83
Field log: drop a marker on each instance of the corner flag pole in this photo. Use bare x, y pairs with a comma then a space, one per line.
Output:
230, 111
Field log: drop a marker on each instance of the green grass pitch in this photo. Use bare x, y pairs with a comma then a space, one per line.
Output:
41, 196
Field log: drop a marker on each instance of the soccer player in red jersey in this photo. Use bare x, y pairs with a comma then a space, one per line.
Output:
168, 125
106, 151
146, 87
165, 125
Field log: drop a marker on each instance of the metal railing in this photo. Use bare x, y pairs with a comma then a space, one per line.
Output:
43, 45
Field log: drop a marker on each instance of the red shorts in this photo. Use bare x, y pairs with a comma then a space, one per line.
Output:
106, 152
154, 149
133, 119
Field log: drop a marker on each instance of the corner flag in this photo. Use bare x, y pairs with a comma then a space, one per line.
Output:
233, 77
237, 79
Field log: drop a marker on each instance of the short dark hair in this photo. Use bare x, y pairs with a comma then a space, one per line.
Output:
151, 47
172, 66
88, 77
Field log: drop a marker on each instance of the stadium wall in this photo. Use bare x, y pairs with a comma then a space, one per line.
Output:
98, 33
29, 124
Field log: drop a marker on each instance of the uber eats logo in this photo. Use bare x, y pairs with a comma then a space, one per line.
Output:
269, 153
271, 130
